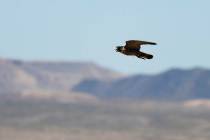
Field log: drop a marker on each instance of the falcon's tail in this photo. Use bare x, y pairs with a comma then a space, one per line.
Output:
144, 55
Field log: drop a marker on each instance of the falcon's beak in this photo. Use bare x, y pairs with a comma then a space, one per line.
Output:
118, 49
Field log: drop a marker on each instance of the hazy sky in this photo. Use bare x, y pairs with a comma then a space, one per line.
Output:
89, 30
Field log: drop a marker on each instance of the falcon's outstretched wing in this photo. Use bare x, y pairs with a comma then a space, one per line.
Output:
136, 44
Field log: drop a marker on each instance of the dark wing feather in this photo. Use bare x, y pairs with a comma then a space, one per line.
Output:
147, 43
133, 44
136, 44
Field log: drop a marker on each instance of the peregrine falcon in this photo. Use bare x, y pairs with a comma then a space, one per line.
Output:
132, 47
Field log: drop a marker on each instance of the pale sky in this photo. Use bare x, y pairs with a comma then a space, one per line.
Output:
89, 30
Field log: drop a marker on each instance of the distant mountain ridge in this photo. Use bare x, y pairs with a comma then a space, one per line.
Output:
83, 80
175, 84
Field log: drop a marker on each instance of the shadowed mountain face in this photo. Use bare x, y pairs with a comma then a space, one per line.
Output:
173, 84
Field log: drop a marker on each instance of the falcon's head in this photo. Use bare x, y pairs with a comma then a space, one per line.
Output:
119, 48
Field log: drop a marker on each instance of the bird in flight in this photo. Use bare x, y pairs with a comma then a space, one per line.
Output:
133, 47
